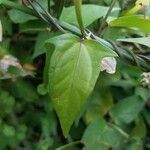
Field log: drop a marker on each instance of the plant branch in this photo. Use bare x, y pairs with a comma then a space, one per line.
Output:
60, 7
124, 55
78, 5
49, 5
69, 145
52, 20
105, 18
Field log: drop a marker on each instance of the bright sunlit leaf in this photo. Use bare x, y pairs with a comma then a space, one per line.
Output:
73, 71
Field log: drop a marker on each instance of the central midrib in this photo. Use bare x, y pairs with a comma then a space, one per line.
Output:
74, 70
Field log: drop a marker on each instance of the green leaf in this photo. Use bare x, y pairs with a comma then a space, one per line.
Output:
1, 1
24, 91
139, 131
40, 43
143, 41
73, 71
99, 105
43, 88
20, 17
146, 114
126, 110
100, 136
136, 21
7, 103
69, 15
136, 145
32, 26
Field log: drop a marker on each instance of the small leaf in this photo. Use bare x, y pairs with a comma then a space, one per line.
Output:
143, 41
7, 103
100, 136
99, 105
139, 130
40, 43
21, 88
136, 21
126, 110
73, 71
20, 17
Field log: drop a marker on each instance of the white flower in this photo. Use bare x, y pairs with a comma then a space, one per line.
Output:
109, 64
1, 32
145, 79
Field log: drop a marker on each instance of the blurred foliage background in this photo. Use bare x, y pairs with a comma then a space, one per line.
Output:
117, 115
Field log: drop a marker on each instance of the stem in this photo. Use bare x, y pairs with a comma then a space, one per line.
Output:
49, 6
123, 133
105, 18
52, 20
124, 55
78, 5
60, 7
40, 15
69, 145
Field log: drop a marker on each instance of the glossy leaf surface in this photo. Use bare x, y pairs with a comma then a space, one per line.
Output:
74, 69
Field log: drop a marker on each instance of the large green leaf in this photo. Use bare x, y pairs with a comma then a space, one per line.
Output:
74, 69
90, 13
100, 136
136, 21
143, 41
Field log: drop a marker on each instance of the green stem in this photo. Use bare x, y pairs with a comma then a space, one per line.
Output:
123, 133
45, 13
69, 145
105, 18
78, 5
124, 55
49, 6
60, 7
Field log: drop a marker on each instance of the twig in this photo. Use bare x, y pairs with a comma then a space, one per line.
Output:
49, 6
69, 145
78, 7
61, 4
54, 21
105, 18
40, 15
125, 56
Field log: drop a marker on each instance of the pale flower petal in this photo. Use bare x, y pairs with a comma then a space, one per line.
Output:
109, 64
